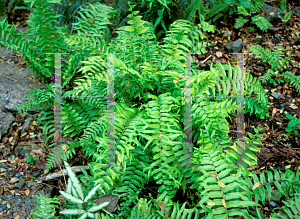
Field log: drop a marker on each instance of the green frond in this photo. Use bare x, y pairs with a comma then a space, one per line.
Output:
256, 5
240, 21
220, 190
261, 22
284, 182
93, 22
291, 209
43, 37
132, 180
275, 58
292, 79
243, 11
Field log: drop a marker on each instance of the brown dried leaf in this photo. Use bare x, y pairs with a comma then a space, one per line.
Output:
56, 136
223, 203
162, 206
27, 192
219, 54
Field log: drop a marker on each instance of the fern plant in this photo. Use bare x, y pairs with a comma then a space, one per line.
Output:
46, 207
259, 21
278, 63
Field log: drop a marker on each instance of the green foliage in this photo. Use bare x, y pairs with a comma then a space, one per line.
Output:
287, 17
149, 132
277, 62
31, 159
240, 21
293, 123
75, 196
275, 58
46, 207
69, 9
293, 79
261, 22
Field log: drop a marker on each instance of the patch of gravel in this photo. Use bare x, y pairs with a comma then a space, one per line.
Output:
13, 205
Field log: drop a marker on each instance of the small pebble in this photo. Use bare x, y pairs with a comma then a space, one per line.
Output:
4, 206
36, 174
17, 175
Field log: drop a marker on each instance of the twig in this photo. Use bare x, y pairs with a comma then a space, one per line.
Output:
55, 175
205, 59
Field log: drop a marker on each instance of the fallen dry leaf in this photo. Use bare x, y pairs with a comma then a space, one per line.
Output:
39, 151
27, 192
162, 206
14, 179
219, 54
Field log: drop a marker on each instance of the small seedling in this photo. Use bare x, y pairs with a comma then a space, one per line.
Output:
31, 159
292, 124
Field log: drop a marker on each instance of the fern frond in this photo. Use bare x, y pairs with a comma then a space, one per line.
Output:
285, 182
261, 22
275, 58
220, 191
291, 209
267, 76
256, 5
292, 79
46, 207
93, 22
243, 11
240, 21
191, 10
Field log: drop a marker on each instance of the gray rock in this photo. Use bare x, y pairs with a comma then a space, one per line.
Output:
273, 204
26, 124
275, 95
219, 61
25, 148
234, 46
278, 119
296, 11
13, 87
20, 184
263, 128
31, 184
6, 119
271, 12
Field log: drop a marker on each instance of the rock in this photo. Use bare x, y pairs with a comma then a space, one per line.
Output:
31, 184
272, 13
296, 11
13, 87
234, 46
20, 184
275, 95
278, 119
219, 61
283, 105
6, 119
26, 124
24, 148
273, 204
263, 128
